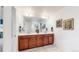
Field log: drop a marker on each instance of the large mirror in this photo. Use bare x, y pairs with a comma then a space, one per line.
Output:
34, 25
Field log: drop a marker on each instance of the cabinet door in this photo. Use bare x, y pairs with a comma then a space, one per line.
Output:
51, 39
46, 38
23, 43
32, 42
39, 40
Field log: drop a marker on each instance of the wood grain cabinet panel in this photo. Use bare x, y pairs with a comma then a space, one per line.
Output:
32, 42
45, 40
51, 39
39, 41
23, 44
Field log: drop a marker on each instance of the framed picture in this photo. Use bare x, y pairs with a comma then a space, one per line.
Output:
1, 21
1, 34
68, 24
59, 23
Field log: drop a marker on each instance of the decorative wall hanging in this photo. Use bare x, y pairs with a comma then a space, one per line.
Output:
1, 34
59, 23
51, 29
68, 24
37, 30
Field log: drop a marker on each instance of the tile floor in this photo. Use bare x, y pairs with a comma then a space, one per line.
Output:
48, 48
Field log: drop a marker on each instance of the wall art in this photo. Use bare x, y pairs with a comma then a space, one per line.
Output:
59, 23
68, 24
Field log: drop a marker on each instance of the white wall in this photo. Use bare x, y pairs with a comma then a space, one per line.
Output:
68, 40
7, 29
9, 42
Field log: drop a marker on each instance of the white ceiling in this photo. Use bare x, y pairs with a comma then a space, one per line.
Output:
49, 8
38, 10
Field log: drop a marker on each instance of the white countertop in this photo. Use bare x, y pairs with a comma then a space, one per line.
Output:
35, 33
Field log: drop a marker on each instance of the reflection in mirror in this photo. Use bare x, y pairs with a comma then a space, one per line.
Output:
34, 24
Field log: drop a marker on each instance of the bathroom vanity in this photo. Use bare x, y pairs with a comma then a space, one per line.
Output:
35, 32
34, 40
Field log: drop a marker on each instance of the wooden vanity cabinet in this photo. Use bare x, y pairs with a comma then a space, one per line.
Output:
32, 41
